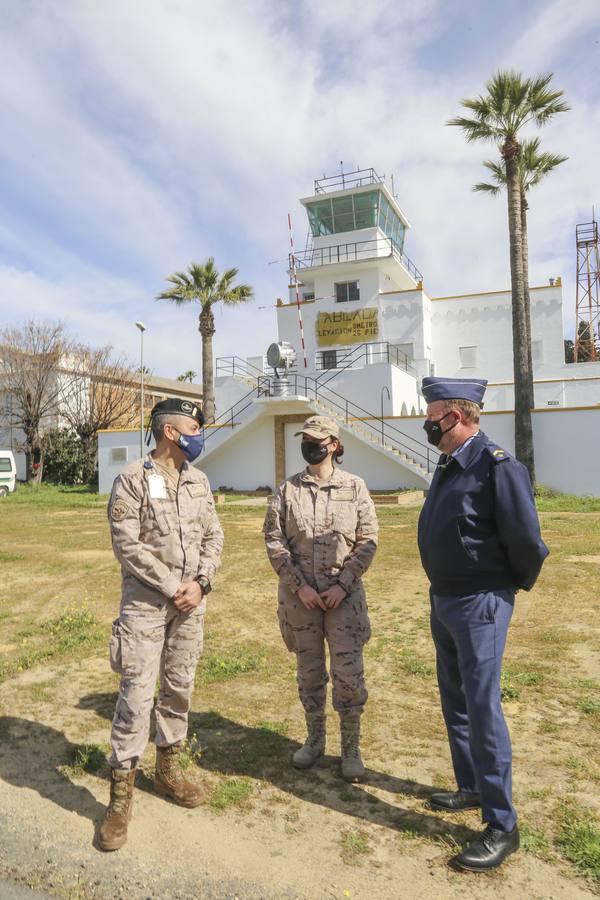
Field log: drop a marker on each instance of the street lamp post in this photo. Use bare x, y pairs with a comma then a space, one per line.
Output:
142, 329
384, 388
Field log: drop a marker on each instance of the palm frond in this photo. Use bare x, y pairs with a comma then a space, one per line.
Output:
239, 294
497, 169
474, 129
510, 102
483, 188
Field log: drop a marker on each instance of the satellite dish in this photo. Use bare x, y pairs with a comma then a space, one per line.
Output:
281, 356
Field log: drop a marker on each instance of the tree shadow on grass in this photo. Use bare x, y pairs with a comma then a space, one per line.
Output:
235, 750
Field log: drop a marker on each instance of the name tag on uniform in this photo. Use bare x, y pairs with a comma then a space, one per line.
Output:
157, 487
197, 490
343, 494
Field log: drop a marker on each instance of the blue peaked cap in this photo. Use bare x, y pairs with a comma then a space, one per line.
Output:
472, 389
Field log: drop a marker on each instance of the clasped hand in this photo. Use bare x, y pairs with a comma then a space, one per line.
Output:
187, 596
329, 599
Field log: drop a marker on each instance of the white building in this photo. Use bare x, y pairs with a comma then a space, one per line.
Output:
371, 332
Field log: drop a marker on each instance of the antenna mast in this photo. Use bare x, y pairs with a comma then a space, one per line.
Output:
295, 274
587, 304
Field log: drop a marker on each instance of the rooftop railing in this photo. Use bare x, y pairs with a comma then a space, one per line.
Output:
346, 180
353, 252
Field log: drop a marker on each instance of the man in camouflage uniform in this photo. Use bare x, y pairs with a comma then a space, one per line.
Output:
321, 536
167, 537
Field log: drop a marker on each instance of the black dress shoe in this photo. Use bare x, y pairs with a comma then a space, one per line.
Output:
455, 801
489, 850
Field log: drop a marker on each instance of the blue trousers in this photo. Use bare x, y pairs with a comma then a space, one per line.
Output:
469, 633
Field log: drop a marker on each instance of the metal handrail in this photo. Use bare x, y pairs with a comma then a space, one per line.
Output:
351, 410
357, 353
352, 251
232, 365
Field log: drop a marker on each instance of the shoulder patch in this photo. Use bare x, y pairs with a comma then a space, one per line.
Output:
118, 510
498, 454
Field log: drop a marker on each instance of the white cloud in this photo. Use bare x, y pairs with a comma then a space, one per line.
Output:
147, 134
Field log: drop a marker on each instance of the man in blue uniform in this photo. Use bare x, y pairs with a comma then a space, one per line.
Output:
479, 540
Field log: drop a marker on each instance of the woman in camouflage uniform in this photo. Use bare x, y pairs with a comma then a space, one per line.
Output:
321, 536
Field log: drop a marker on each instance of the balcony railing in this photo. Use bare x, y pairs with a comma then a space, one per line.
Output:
337, 359
353, 252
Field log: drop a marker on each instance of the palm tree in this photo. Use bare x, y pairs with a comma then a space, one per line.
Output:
203, 284
187, 376
511, 103
533, 167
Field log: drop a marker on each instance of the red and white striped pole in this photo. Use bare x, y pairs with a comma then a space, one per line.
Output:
293, 257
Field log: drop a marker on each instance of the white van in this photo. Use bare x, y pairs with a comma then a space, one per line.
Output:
8, 472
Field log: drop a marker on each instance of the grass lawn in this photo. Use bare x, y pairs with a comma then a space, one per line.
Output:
59, 593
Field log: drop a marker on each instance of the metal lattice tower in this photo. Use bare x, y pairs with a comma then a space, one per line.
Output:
587, 310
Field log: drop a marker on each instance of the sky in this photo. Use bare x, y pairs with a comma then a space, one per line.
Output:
141, 135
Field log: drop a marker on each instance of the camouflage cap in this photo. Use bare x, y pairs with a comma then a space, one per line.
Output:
320, 427
178, 406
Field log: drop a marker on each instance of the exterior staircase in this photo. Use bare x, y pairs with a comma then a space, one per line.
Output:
412, 455
369, 435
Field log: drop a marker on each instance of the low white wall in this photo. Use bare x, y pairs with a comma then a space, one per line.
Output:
107, 440
565, 444
246, 460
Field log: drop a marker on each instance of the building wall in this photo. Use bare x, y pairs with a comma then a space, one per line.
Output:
565, 441
129, 441
246, 460
484, 321
379, 472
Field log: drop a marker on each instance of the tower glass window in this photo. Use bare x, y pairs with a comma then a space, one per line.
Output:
365, 210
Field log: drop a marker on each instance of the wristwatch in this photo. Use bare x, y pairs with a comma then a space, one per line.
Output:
204, 583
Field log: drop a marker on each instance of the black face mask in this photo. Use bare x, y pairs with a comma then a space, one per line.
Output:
434, 430
314, 453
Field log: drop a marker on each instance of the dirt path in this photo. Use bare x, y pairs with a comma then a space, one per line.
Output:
285, 843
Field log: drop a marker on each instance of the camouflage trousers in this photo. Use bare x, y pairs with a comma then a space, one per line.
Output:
148, 642
346, 630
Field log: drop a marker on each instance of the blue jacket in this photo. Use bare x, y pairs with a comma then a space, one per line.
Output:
479, 529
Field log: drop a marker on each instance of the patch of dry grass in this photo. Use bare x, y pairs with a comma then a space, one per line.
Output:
247, 719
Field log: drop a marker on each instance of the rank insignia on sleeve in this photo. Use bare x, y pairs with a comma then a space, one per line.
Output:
118, 510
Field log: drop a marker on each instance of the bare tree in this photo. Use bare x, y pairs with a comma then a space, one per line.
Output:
100, 392
31, 360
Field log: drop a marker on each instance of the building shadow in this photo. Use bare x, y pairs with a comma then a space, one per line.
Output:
31, 756
229, 748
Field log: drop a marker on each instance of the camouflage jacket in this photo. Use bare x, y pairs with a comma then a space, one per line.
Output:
321, 534
162, 542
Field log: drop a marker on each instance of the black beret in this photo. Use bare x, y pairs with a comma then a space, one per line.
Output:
179, 407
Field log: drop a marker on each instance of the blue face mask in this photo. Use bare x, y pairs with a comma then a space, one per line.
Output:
191, 444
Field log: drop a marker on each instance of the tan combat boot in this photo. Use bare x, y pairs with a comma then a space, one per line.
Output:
352, 765
113, 831
314, 746
169, 780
